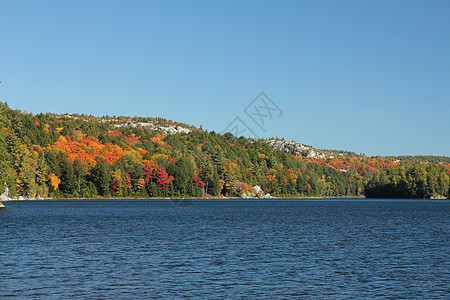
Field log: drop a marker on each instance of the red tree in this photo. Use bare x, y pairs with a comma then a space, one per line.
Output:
198, 181
148, 175
128, 180
163, 179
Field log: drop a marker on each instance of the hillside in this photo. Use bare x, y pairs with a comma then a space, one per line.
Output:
50, 155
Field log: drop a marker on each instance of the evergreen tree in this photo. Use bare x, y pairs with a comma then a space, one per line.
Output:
68, 181
101, 177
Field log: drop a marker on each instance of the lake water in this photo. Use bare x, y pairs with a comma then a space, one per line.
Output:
256, 249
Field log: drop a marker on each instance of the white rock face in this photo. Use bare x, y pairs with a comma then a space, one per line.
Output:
166, 129
315, 154
6, 196
174, 129
288, 147
295, 148
151, 126
257, 189
256, 192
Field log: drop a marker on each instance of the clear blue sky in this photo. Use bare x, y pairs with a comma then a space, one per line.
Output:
367, 76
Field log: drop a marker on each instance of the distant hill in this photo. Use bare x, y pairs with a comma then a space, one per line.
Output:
426, 158
72, 155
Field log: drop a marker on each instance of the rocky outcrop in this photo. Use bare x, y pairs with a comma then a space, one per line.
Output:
295, 148
166, 129
130, 123
256, 192
437, 197
6, 196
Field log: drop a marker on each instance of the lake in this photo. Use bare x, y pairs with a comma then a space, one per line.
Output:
256, 249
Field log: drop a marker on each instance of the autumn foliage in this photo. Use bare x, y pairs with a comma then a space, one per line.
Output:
88, 149
163, 179
54, 181
198, 181
86, 156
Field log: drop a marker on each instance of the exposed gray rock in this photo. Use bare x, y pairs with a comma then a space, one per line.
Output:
6, 196
295, 148
256, 192
166, 129
437, 197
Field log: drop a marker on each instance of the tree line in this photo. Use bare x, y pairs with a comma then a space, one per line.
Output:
49, 155
410, 180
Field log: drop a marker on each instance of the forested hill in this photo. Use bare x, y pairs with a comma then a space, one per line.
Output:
426, 158
49, 155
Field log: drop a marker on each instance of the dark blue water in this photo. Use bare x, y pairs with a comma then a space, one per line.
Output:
234, 249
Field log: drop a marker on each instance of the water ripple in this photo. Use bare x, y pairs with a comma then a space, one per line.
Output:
230, 249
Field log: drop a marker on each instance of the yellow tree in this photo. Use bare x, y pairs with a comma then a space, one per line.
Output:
54, 181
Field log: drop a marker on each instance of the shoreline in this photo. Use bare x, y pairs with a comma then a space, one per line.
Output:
21, 198
164, 198
211, 198
176, 198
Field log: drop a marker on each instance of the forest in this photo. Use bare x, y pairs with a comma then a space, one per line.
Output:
80, 156
409, 180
